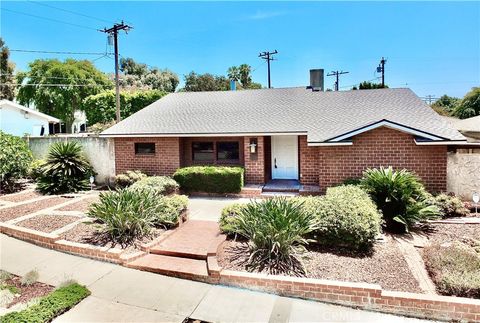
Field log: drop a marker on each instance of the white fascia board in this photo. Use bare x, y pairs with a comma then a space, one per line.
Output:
388, 124
447, 143
240, 134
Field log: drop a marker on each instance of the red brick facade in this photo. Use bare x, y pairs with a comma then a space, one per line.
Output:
165, 161
323, 166
328, 166
254, 163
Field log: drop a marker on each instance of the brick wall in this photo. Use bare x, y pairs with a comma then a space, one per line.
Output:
254, 163
383, 147
165, 161
308, 162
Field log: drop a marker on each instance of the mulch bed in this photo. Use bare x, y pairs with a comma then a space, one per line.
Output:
27, 293
447, 232
81, 206
20, 197
14, 212
384, 266
91, 233
47, 223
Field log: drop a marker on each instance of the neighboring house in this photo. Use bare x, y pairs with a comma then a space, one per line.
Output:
318, 138
470, 127
18, 120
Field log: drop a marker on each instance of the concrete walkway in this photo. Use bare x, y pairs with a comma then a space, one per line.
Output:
210, 208
121, 294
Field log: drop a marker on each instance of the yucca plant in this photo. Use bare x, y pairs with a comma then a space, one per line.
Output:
400, 196
127, 214
66, 169
276, 229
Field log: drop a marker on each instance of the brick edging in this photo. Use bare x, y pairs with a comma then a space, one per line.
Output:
359, 295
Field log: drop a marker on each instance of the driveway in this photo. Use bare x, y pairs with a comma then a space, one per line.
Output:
121, 294
210, 208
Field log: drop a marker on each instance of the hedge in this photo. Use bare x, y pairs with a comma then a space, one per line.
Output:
163, 185
347, 217
50, 306
210, 179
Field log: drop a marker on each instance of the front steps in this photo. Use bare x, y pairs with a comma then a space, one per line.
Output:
184, 252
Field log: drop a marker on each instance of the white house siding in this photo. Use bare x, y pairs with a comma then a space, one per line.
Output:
15, 122
99, 151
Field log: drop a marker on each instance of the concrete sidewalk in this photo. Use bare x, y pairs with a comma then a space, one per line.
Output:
121, 294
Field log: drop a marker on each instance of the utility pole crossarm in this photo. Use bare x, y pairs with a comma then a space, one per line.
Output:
114, 31
337, 77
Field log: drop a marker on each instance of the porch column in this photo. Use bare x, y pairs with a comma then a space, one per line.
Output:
254, 162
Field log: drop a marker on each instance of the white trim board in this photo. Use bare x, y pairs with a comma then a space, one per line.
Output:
388, 124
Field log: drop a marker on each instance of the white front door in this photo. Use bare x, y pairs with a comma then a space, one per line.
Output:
284, 157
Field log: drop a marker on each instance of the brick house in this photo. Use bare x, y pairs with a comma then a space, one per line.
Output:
302, 134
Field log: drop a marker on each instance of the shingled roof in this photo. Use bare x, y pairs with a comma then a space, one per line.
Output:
324, 116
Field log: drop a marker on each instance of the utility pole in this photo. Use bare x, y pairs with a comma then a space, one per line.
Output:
381, 69
268, 57
113, 31
337, 74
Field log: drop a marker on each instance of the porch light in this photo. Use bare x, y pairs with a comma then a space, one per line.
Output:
253, 146
476, 198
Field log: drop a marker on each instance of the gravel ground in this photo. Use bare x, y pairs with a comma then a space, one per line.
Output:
47, 223
21, 210
384, 266
91, 233
81, 206
447, 232
20, 197
27, 293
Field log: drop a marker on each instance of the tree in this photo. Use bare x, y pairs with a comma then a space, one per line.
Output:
469, 106
242, 74
58, 88
100, 108
140, 76
367, 85
7, 79
205, 82
445, 105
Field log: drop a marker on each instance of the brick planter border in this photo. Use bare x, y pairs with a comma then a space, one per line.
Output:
359, 295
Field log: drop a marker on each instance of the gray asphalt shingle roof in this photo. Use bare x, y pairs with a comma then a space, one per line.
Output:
322, 115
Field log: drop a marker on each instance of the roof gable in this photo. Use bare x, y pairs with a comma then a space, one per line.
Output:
28, 110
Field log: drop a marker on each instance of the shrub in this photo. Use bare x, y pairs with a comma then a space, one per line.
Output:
66, 170
162, 185
276, 230
454, 269
15, 158
210, 179
400, 196
127, 214
29, 278
346, 217
50, 306
36, 169
228, 217
128, 178
169, 209
450, 206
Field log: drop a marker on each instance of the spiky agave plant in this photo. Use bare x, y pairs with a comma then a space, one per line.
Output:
66, 169
400, 196
277, 229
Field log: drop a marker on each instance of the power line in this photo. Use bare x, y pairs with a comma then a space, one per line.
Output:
69, 11
56, 52
54, 84
50, 19
268, 56
337, 77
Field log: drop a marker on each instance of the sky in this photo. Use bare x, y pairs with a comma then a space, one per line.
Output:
431, 47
